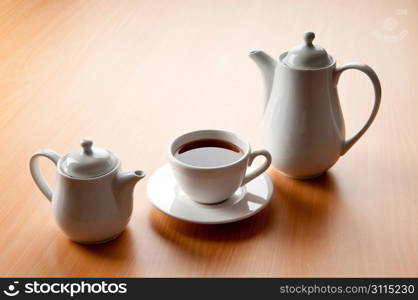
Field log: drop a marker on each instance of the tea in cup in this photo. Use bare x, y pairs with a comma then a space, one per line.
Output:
210, 165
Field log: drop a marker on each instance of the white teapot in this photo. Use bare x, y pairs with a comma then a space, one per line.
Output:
303, 123
92, 199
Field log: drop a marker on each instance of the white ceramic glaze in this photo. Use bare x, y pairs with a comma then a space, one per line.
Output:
303, 124
307, 55
88, 209
166, 196
88, 161
215, 184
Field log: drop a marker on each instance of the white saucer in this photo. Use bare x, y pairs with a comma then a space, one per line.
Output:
167, 197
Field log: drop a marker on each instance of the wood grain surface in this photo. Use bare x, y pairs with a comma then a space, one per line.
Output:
134, 74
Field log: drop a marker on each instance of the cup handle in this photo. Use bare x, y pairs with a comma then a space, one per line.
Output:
36, 172
253, 174
377, 95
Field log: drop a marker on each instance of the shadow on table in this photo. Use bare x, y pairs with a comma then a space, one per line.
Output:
117, 249
172, 229
305, 208
297, 216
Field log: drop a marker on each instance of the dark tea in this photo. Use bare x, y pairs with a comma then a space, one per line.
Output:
208, 153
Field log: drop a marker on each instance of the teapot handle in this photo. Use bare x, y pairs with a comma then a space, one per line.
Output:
36, 173
377, 96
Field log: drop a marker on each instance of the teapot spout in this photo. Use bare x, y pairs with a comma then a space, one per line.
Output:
126, 181
267, 66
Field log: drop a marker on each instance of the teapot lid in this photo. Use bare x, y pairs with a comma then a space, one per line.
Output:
88, 162
307, 55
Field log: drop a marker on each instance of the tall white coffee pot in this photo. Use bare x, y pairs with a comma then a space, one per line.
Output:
303, 123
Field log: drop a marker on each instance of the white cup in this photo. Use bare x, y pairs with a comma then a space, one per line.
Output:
211, 185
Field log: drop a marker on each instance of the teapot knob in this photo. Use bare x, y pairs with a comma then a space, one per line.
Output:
87, 144
309, 37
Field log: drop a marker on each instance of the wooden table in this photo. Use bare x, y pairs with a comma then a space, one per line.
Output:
133, 74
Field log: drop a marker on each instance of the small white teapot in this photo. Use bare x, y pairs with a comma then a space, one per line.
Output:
92, 200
